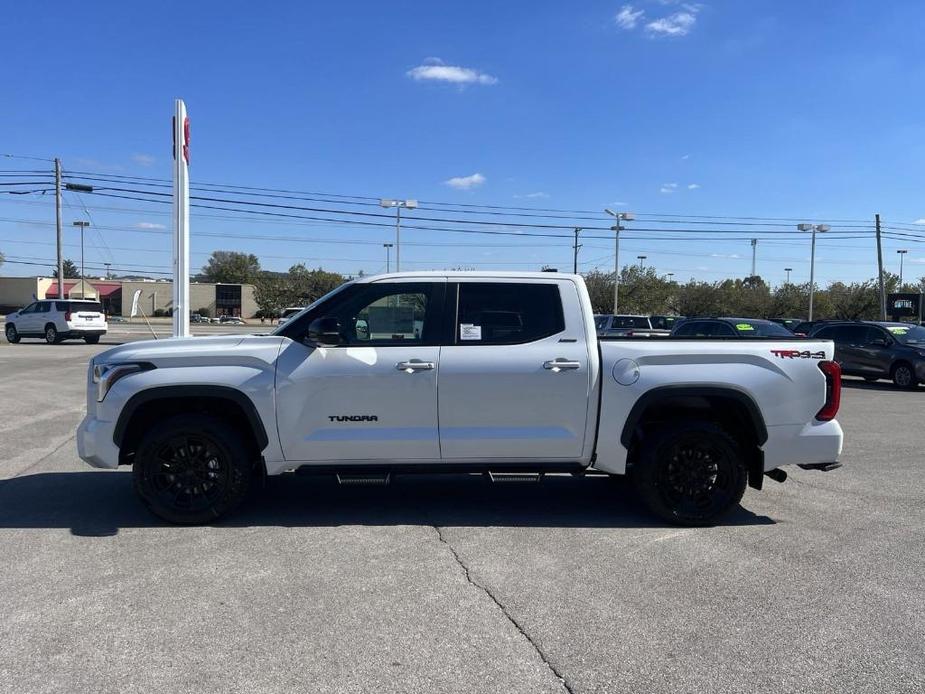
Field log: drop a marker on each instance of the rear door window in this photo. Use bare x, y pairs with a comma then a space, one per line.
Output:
507, 313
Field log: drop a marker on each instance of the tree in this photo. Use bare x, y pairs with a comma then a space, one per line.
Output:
231, 267
299, 286
70, 271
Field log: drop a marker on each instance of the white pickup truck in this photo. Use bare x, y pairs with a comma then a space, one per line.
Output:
498, 373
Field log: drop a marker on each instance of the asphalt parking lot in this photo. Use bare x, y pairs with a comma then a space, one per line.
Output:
452, 584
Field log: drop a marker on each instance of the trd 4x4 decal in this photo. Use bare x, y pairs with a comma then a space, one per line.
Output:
797, 354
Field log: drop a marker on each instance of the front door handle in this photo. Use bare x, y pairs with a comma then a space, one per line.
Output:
413, 365
561, 365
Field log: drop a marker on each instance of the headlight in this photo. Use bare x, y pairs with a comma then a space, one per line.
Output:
106, 375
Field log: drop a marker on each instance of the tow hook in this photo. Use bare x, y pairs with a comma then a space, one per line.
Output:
777, 475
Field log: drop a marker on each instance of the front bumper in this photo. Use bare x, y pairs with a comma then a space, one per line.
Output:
95, 443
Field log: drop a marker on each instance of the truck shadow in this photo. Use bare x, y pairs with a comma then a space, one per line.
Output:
99, 503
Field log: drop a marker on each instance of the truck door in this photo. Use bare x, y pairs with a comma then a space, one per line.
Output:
374, 396
514, 374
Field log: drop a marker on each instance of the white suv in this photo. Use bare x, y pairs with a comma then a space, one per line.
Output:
58, 319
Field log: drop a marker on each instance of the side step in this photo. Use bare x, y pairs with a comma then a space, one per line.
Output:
514, 476
364, 479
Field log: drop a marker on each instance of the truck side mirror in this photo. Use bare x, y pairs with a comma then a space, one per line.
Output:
325, 332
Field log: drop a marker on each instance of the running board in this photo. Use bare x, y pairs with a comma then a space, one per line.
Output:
496, 477
367, 479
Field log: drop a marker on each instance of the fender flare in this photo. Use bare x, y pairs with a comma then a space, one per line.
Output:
660, 393
191, 391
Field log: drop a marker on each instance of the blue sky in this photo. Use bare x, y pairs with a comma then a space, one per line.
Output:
766, 109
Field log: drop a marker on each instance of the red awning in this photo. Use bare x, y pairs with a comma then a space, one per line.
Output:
103, 289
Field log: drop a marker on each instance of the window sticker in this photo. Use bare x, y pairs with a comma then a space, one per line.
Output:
744, 326
470, 331
897, 330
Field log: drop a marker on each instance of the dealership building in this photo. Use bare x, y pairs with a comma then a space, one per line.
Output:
156, 296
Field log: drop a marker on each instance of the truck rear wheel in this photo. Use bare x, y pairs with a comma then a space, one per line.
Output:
690, 473
192, 469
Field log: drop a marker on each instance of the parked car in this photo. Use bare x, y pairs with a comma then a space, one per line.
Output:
232, 320
875, 350
730, 327
56, 320
350, 387
665, 322
626, 326
288, 313
789, 323
198, 318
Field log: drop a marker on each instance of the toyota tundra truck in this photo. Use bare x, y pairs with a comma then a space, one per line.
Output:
493, 373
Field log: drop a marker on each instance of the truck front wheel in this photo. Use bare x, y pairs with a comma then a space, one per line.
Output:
192, 469
690, 473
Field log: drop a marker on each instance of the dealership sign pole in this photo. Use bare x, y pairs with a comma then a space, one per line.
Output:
181, 135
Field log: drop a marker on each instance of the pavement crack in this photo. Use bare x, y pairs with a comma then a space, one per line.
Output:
468, 574
45, 457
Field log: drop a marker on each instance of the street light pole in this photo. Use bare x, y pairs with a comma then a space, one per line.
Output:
901, 253
788, 270
387, 246
398, 205
625, 217
83, 225
812, 258
642, 260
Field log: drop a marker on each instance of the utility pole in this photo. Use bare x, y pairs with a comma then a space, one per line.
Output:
754, 255
901, 252
108, 265
398, 204
880, 269
821, 228
617, 228
58, 224
788, 270
642, 260
575, 248
387, 246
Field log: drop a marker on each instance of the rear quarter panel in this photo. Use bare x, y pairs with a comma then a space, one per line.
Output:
782, 377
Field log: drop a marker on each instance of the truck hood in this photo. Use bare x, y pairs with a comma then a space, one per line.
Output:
190, 348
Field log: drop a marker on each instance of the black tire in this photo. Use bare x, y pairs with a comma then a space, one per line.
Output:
51, 334
12, 335
92, 339
903, 375
690, 473
192, 469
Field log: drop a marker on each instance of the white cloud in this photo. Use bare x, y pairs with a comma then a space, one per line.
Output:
919, 221
693, 186
628, 17
668, 188
143, 159
533, 195
435, 70
618, 203
149, 225
732, 256
685, 157
465, 182
677, 24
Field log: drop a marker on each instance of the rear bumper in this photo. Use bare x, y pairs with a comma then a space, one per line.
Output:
95, 443
809, 444
80, 332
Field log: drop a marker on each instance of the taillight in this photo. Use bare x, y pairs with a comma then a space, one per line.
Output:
832, 373
67, 315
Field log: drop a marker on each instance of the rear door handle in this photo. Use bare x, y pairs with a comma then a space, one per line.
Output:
561, 365
413, 365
